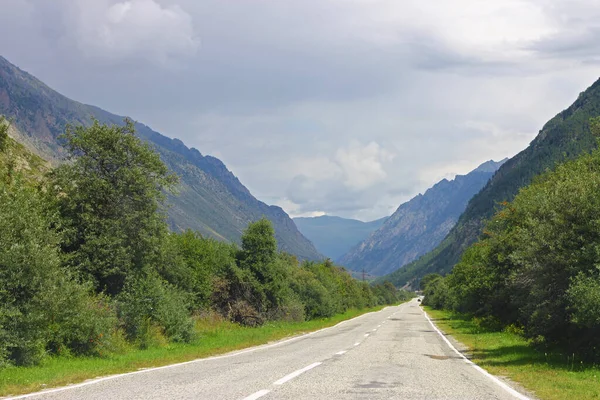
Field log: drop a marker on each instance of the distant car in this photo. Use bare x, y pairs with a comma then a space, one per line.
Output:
418, 299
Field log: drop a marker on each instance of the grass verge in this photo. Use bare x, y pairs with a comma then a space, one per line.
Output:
214, 337
550, 375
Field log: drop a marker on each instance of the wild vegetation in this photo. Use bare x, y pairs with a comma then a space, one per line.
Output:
88, 264
536, 269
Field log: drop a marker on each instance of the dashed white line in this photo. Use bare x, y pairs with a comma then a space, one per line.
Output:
339, 353
199, 360
295, 374
366, 335
357, 343
374, 330
379, 326
257, 395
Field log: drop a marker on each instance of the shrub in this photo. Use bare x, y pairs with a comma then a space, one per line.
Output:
148, 302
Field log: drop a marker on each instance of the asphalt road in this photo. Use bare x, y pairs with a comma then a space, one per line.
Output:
391, 354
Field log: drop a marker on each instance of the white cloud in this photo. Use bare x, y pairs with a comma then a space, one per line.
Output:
133, 30
280, 89
363, 166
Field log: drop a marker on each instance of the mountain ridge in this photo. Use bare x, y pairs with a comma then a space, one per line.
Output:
418, 225
211, 198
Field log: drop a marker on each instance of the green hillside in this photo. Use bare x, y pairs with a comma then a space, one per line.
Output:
210, 198
16, 157
565, 136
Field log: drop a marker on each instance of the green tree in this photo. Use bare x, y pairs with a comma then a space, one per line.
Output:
109, 194
259, 248
42, 308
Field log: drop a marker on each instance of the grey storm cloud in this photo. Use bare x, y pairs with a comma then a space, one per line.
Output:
342, 107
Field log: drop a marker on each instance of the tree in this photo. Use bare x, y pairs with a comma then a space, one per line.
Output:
259, 248
109, 195
42, 307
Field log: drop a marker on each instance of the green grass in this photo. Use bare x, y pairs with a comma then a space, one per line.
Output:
215, 336
550, 375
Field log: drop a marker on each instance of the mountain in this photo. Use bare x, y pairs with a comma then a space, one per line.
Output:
211, 199
565, 136
418, 225
334, 236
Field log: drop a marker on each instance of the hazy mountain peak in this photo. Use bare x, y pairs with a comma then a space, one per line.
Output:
418, 225
490, 166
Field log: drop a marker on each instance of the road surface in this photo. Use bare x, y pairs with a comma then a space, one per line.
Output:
391, 354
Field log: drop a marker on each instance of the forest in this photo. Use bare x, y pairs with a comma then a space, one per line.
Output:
536, 269
87, 261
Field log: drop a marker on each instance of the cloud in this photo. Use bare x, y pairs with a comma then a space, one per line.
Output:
133, 30
362, 166
337, 106
347, 181
575, 31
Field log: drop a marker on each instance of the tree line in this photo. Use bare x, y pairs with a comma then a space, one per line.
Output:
537, 266
87, 261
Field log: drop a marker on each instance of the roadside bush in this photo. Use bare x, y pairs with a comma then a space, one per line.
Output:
313, 295
79, 322
436, 293
147, 302
243, 313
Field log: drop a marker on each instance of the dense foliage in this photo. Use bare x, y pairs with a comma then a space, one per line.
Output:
538, 265
87, 262
564, 137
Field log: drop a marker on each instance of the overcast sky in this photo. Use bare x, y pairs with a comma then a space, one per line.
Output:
344, 107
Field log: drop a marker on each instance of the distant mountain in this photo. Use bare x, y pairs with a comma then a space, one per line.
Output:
334, 236
211, 199
418, 225
564, 137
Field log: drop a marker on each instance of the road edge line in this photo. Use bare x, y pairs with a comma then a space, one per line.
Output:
495, 379
226, 355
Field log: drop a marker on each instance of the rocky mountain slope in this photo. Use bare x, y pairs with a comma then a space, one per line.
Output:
334, 236
211, 199
565, 136
418, 225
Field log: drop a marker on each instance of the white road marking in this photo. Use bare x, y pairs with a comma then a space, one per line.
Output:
477, 367
379, 326
143, 371
339, 353
357, 343
295, 374
257, 395
374, 330
366, 335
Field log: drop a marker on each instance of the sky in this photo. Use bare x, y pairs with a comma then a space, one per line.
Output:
338, 107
